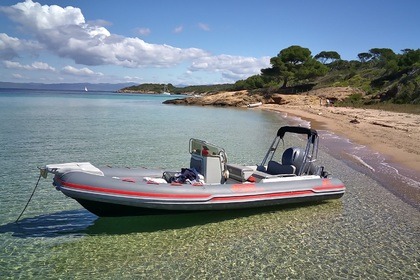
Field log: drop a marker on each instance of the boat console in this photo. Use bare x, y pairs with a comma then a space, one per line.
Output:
209, 160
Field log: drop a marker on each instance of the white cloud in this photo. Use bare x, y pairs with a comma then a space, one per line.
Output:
63, 31
17, 76
231, 67
37, 65
143, 31
134, 79
100, 22
178, 29
10, 47
204, 26
36, 17
85, 72
42, 66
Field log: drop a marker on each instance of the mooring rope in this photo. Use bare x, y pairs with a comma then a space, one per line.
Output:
27, 203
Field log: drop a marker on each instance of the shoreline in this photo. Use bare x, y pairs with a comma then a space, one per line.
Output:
395, 135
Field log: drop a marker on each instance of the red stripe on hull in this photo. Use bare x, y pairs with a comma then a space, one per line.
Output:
327, 186
264, 196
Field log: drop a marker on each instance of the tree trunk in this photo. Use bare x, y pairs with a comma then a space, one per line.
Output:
284, 83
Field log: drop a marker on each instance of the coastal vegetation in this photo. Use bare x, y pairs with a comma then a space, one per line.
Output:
381, 75
158, 88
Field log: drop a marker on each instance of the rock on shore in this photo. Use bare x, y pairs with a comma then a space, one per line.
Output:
243, 98
235, 99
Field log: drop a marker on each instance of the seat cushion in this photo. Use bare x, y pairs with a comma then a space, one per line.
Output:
275, 168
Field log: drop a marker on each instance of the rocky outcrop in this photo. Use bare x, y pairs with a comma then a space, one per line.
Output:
234, 99
243, 98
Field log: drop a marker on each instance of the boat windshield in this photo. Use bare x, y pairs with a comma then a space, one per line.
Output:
204, 148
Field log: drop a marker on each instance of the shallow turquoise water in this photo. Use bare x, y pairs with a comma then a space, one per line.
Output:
369, 233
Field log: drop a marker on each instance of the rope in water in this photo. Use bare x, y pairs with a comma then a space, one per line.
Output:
27, 203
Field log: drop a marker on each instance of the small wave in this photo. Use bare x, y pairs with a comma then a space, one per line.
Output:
298, 121
362, 162
409, 181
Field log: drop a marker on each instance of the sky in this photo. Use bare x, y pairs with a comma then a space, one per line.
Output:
188, 42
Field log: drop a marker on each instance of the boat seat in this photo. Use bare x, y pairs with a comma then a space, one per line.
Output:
260, 175
289, 160
275, 168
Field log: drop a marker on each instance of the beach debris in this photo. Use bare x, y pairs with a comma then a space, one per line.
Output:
390, 126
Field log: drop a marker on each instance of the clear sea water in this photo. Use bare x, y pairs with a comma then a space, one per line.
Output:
368, 234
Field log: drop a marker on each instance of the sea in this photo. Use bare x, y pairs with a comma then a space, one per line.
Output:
372, 232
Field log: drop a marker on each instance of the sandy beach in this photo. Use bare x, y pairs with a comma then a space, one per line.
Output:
396, 135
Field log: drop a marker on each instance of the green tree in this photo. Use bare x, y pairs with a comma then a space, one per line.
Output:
383, 54
385, 58
294, 64
364, 57
409, 58
253, 82
327, 56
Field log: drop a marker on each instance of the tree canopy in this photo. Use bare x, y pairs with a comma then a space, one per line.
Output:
294, 64
327, 56
379, 71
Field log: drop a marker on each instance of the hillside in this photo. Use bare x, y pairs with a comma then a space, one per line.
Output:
376, 85
381, 76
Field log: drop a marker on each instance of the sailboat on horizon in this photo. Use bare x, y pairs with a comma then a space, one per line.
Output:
86, 89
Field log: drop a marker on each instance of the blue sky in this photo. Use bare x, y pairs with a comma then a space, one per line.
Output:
187, 42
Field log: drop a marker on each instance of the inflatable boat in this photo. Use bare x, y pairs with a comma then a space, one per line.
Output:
210, 182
